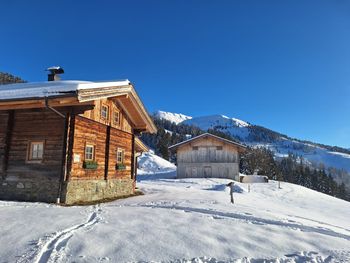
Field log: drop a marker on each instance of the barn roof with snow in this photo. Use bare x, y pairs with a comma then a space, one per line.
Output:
207, 135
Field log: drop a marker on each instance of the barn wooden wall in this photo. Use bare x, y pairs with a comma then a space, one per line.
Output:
207, 152
202, 158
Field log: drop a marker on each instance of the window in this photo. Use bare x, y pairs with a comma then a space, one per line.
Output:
219, 148
116, 117
104, 112
36, 151
195, 148
89, 152
120, 156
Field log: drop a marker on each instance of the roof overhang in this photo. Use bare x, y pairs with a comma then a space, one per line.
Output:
82, 93
140, 147
127, 97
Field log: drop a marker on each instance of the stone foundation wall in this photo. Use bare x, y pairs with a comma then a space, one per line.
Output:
29, 190
81, 191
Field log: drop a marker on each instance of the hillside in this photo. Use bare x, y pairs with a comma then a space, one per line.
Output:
315, 154
6, 78
173, 117
187, 220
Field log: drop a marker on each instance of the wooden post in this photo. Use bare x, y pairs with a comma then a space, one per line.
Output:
70, 146
133, 156
64, 158
108, 139
10, 124
248, 188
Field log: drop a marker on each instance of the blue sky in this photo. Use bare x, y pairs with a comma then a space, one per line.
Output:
281, 64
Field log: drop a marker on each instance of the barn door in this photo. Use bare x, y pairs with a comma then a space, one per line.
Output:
207, 171
194, 172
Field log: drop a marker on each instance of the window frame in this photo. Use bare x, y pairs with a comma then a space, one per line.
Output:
107, 112
88, 145
116, 113
30, 158
122, 151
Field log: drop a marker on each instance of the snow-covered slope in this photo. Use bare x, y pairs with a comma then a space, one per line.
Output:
261, 137
182, 220
150, 164
232, 126
173, 117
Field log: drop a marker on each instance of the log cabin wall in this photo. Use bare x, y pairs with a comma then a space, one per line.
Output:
22, 179
106, 181
115, 118
25, 179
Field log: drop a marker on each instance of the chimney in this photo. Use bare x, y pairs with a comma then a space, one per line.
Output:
54, 72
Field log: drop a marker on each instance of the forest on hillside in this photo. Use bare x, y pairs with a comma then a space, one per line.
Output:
6, 78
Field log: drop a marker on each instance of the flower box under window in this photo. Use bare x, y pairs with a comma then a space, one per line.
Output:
90, 165
120, 166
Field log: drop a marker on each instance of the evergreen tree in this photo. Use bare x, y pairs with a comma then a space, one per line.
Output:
6, 78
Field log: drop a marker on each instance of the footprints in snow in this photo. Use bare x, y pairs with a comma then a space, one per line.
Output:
51, 248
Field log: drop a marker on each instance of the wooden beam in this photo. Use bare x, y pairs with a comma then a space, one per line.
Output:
71, 131
108, 138
133, 157
30, 104
10, 124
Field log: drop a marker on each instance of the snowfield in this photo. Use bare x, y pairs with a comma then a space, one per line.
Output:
182, 220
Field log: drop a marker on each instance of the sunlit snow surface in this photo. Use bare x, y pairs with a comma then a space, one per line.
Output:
182, 220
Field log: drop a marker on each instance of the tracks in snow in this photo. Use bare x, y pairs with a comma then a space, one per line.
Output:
251, 219
51, 248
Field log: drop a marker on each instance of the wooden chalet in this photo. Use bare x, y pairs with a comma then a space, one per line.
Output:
70, 141
208, 155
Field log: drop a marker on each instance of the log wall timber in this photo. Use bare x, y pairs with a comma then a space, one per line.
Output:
89, 132
106, 181
33, 181
23, 179
122, 123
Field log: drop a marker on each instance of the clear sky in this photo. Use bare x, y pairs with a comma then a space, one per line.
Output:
284, 64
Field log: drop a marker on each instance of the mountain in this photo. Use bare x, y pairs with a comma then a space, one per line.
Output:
172, 117
315, 154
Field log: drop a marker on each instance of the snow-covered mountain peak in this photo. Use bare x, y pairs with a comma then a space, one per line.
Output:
173, 117
211, 121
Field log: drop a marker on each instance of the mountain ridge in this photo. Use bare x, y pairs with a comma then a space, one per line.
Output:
314, 154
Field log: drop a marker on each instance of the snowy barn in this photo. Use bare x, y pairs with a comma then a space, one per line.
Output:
72, 141
208, 155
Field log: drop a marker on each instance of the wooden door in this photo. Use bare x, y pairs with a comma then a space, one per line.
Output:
207, 171
194, 172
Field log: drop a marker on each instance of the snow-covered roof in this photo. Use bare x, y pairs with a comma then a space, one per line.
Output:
73, 92
204, 135
34, 90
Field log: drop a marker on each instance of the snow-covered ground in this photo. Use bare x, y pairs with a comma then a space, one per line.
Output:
182, 220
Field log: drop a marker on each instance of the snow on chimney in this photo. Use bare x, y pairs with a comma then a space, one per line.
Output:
54, 72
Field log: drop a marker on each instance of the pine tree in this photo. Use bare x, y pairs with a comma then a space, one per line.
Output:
6, 78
